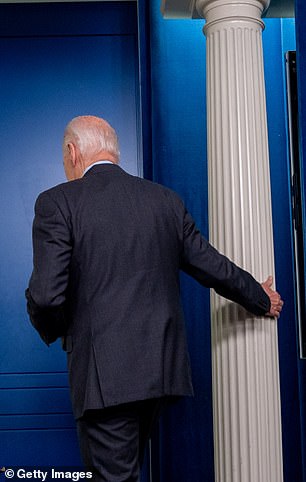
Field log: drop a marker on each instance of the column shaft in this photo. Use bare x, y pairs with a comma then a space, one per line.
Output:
246, 395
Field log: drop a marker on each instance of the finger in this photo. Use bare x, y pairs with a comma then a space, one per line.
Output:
274, 310
275, 298
269, 281
277, 310
275, 313
280, 304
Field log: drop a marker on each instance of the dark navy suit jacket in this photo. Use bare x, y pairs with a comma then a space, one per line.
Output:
108, 249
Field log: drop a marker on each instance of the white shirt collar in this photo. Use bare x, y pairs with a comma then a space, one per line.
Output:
96, 164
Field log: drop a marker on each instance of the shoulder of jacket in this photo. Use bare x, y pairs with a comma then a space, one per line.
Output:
52, 199
60, 190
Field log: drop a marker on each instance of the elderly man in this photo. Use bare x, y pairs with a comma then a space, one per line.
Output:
108, 248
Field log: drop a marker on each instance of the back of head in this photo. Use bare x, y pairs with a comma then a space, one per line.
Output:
92, 135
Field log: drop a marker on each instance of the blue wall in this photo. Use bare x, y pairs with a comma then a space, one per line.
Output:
56, 62
301, 70
279, 37
179, 161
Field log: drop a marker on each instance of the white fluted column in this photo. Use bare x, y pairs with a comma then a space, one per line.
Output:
246, 395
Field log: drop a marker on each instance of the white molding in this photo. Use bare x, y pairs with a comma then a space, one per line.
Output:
187, 9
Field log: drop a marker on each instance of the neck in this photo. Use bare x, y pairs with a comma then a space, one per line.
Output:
102, 161
102, 156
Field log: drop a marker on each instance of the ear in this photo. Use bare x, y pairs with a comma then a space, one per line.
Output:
72, 152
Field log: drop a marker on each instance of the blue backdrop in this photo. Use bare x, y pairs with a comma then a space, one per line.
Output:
301, 66
179, 161
57, 61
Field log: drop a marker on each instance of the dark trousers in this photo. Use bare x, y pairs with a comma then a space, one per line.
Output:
113, 440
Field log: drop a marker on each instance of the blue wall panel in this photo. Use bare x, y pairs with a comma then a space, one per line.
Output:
57, 61
301, 70
278, 37
41, 448
179, 161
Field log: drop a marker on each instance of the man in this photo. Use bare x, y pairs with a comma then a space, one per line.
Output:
108, 248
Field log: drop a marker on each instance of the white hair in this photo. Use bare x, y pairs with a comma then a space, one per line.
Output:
92, 135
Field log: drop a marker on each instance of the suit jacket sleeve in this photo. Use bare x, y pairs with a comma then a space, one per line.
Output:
52, 247
213, 270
